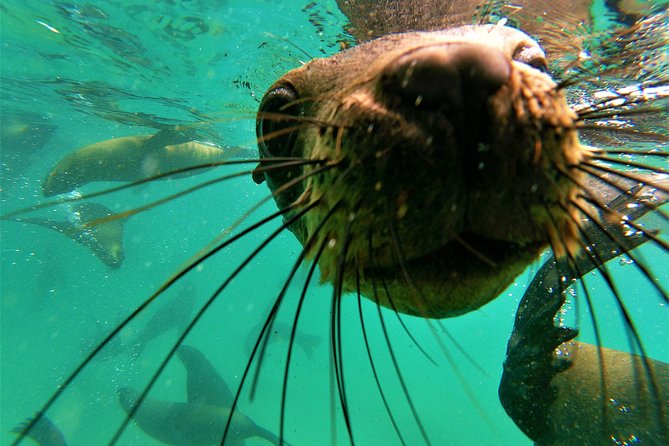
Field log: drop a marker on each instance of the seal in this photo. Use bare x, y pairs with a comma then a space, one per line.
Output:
201, 420
197, 422
458, 133
552, 383
133, 158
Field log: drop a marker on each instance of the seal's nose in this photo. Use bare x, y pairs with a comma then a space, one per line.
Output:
447, 75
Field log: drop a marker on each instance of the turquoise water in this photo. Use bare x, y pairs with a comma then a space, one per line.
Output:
75, 74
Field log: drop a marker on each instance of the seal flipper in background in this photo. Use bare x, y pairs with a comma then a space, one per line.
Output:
308, 343
178, 134
551, 385
105, 240
45, 433
200, 421
174, 314
204, 384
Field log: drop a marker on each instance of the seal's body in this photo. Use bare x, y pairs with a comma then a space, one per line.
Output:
552, 383
131, 158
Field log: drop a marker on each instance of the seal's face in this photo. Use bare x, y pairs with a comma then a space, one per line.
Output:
446, 164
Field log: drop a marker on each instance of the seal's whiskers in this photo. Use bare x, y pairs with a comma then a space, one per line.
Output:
167, 284
396, 366
335, 321
261, 341
629, 175
203, 310
293, 332
574, 269
617, 237
371, 362
632, 193
592, 256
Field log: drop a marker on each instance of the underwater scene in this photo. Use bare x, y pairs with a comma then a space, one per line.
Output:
148, 253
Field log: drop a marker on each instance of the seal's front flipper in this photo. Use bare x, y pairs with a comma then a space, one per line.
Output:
205, 385
178, 134
549, 383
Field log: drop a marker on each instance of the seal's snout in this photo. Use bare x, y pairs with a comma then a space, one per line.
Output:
447, 75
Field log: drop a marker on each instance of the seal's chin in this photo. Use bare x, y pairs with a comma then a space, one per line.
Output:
455, 279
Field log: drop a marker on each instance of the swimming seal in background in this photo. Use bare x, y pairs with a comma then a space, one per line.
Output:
133, 158
201, 420
104, 240
552, 385
197, 422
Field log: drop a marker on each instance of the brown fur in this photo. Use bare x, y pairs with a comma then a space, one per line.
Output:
630, 405
406, 174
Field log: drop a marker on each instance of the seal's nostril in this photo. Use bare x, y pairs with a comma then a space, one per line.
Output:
447, 75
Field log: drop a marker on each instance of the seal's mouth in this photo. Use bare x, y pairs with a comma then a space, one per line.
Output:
457, 258
472, 267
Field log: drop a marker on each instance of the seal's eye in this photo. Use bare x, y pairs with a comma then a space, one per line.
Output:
278, 121
532, 56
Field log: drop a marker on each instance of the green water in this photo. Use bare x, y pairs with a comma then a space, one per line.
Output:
78, 73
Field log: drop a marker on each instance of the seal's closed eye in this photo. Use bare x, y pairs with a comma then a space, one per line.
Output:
531, 55
277, 124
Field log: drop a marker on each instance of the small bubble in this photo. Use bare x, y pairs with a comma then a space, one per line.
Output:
621, 407
625, 261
